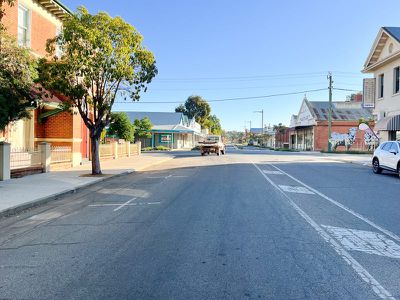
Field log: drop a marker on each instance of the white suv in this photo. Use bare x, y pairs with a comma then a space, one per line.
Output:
387, 157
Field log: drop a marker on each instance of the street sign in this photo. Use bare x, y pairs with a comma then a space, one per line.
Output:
369, 92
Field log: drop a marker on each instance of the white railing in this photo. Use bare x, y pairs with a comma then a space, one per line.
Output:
24, 158
106, 150
122, 150
60, 154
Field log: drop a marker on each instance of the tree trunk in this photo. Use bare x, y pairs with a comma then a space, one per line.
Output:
95, 143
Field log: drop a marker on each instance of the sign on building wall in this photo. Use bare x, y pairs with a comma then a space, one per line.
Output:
305, 118
165, 138
369, 92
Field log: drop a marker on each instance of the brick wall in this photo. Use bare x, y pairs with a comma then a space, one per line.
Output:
41, 28
321, 134
57, 126
10, 20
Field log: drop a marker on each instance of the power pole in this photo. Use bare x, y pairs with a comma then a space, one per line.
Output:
262, 121
330, 112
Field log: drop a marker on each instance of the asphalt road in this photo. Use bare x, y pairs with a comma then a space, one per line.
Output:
247, 225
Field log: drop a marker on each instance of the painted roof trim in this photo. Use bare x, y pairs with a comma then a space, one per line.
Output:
56, 8
383, 30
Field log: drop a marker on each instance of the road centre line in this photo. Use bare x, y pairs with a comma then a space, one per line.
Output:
349, 210
357, 267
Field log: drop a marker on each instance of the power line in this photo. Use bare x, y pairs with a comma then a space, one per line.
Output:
243, 77
347, 90
237, 88
258, 77
230, 99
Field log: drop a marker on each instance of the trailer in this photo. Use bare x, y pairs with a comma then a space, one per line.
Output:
212, 144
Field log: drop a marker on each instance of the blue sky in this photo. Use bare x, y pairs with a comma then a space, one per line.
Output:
229, 49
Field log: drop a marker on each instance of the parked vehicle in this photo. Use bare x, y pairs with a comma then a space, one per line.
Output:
252, 143
387, 157
212, 144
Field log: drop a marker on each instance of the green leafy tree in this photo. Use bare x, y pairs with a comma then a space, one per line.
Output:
280, 128
181, 108
142, 128
121, 126
103, 135
101, 57
17, 74
213, 124
195, 107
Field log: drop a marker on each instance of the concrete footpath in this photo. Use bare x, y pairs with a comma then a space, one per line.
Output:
23, 193
359, 159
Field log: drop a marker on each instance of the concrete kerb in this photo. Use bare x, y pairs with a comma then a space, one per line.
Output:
46, 199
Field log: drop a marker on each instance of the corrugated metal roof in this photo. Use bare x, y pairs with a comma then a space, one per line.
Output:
157, 118
341, 111
394, 32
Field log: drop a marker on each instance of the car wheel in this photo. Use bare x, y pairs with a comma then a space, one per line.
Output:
375, 166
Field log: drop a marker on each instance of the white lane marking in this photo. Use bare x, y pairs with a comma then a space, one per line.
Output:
295, 189
119, 204
357, 267
269, 172
166, 177
365, 241
350, 211
124, 204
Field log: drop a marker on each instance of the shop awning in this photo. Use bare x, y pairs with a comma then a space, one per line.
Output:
391, 123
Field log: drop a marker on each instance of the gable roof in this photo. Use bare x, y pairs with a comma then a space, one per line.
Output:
157, 118
384, 34
394, 32
341, 111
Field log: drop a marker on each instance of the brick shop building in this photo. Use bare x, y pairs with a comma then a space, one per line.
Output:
309, 128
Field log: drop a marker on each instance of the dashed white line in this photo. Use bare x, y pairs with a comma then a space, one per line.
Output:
119, 204
357, 267
272, 172
365, 241
295, 189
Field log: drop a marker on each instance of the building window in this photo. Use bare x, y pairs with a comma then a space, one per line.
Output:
381, 79
396, 80
59, 51
23, 27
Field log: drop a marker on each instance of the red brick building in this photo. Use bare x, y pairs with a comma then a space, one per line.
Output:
309, 128
33, 22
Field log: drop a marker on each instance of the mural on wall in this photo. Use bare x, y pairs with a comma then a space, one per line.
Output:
343, 139
371, 140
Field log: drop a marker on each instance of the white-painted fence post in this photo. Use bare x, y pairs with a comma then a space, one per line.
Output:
45, 156
5, 161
